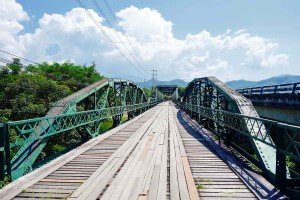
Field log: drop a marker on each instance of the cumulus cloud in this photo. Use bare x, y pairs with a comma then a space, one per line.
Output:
74, 36
11, 14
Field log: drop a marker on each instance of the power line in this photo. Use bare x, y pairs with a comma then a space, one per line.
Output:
18, 57
103, 31
130, 43
116, 33
110, 10
6, 61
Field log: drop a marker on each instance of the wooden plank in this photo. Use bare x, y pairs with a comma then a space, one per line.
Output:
183, 189
225, 190
139, 189
209, 171
94, 185
162, 139
146, 149
192, 190
153, 190
133, 178
143, 197
189, 179
132, 187
162, 188
126, 179
228, 195
174, 187
62, 181
14, 188
67, 187
49, 190
42, 195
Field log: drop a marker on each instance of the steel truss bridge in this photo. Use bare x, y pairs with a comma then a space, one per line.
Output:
210, 144
284, 95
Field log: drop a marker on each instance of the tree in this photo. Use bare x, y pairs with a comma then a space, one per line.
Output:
181, 91
147, 92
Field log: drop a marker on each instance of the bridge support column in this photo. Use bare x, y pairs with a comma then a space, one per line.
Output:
117, 120
2, 154
130, 115
280, 177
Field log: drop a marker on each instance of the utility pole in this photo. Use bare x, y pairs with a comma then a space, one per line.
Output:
144, 83
154, 76
94, 64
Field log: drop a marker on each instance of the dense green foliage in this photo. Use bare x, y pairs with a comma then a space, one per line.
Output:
147, 92
28, 92
181, 91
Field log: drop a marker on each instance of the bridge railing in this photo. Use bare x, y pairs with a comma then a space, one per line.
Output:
287, 88
284, 94
23, 131
287, 137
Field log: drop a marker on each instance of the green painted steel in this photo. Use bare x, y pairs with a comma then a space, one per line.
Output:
233, 118
287, 145
170, 90
211, 92
159, 95
82, 111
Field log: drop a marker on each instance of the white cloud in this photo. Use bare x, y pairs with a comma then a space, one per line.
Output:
145, 25
74, 36
199, 59
11, 14
274, 60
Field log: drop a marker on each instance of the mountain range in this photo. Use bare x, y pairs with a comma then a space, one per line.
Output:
149, 83
285, 78
237, 84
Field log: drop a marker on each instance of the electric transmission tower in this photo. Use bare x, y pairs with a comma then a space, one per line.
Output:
154, 76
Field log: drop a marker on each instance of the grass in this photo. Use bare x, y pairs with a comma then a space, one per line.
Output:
217, 136
290, 164
4, 182
108, 123
200, 186
124, 118
204, 180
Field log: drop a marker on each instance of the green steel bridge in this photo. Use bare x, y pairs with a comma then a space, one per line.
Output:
208, 144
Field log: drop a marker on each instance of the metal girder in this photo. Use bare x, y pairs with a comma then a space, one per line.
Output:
170, 90
167, 89
287, 94
159, 95
101, 100
209, 92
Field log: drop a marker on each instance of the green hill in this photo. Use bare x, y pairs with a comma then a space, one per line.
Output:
285, 78
148, 84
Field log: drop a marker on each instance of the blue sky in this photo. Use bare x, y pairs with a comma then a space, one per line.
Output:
271, 25
272, 18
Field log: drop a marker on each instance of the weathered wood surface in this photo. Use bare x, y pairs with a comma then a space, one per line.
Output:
214, 179
154, 156
63, 164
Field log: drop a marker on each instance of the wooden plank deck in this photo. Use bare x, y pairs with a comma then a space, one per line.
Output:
154, 156
214, 179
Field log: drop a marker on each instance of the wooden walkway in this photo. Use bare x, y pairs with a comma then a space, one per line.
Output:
156, 155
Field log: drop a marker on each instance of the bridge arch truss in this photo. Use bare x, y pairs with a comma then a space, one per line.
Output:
82, 112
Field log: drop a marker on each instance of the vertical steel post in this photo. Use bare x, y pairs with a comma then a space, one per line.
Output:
2, 157
5, 152
280, 177
7, 149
